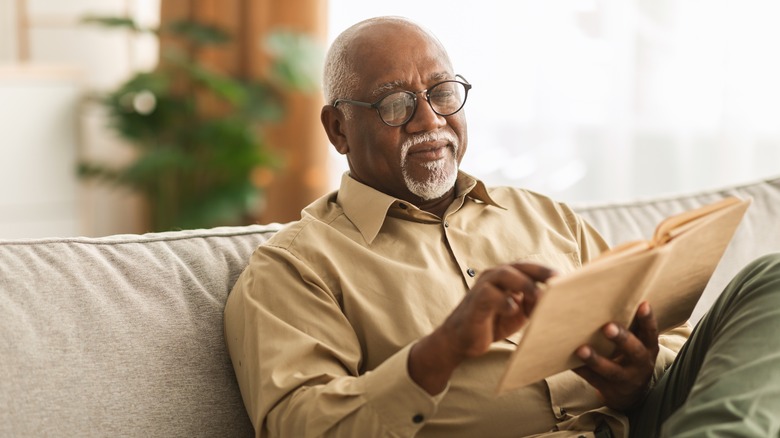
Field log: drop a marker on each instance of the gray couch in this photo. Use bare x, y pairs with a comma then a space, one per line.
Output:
122, 335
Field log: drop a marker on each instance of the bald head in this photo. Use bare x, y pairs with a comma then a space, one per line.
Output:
340, 75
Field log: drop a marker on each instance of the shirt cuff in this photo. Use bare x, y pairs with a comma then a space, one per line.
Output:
400, 403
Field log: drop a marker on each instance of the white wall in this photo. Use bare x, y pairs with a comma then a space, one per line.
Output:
38, 191
7, 32
49, 123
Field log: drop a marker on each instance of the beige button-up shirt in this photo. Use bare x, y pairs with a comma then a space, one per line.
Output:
320, 323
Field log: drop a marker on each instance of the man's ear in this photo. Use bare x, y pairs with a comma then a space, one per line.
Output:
333, 122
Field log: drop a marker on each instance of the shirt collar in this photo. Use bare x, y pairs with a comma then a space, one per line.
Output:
367, 207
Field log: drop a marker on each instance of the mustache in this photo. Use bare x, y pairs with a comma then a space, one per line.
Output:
426, 137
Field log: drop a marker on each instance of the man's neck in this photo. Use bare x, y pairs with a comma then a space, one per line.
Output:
438, 206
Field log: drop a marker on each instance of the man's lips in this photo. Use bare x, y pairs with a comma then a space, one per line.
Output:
430, 151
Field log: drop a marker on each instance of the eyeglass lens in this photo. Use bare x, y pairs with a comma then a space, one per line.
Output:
445, 98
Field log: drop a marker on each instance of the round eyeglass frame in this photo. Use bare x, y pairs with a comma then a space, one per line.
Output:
375, 105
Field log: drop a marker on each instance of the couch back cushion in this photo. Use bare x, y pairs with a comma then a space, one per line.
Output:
758, 234
121, 335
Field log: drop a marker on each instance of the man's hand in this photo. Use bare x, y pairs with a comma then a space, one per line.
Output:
497, 306
623, 379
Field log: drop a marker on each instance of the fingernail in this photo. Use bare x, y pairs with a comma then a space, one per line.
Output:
611, 330
583, 352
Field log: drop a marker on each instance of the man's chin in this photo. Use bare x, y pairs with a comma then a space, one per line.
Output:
436, 182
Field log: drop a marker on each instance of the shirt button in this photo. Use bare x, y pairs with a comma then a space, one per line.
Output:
471, 272
446, 224
418, 418
402, 205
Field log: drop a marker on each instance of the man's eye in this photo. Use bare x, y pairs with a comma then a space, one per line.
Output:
442, 94
396, 106
444, 98
397, 99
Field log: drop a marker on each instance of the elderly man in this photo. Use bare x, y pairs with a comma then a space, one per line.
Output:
391, 307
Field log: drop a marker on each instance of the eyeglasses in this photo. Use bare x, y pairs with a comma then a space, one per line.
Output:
395, 109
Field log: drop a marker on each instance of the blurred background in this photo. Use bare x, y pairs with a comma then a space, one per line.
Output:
198, 113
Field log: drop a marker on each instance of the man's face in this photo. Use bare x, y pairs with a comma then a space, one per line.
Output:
419, 160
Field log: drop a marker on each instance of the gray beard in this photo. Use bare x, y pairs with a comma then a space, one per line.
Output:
442, 173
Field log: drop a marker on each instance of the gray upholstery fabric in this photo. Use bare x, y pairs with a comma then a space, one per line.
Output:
758, 234
122, 335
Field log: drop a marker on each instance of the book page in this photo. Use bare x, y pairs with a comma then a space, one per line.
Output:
624, 250
689, 258
671, 274
674, 225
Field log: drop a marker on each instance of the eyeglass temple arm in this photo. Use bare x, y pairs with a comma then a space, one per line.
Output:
353, 102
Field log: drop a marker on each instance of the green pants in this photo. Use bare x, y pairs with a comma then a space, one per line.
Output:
725, 381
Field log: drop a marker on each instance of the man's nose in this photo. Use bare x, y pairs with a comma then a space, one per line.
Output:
424, 118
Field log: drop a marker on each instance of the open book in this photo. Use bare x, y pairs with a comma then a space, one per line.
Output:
669, 271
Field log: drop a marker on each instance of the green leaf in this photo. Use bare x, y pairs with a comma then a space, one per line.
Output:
297, 60
148, 168
220, 206
97, 171
223, 86
198, 33
115, 22
263, 103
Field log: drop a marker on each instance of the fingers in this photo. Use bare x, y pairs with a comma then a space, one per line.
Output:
628, 349
587, 371
623, 377
519, 281
620, 385
496, 300
500, 301
646, 326
510, 279
641, 340
537, 272
599, 369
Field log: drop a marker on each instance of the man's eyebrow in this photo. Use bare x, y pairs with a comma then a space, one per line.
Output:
387, 87
440, 76
399, 84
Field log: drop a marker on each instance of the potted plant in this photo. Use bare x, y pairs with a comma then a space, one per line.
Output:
196, 130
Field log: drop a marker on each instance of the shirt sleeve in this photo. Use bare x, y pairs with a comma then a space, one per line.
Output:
298, 360
669, 345
591, 243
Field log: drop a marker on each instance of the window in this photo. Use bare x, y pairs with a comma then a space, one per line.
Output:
610, 99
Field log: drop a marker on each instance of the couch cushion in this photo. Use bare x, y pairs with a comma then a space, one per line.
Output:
121, 335
758, 234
